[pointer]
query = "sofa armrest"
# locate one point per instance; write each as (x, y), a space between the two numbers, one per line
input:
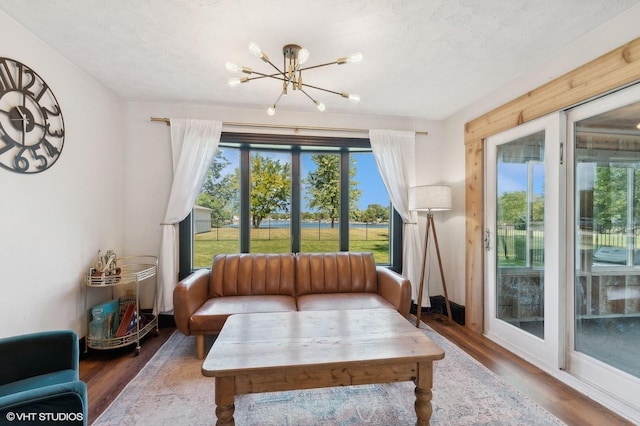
(395, 288)
(189, 295)
(65, 398)
(24, 354)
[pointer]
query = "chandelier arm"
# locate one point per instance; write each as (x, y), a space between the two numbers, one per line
(320, 88)
(277, 77)
(277, 69)
(318, 66)
(274, 76)
(308, 96)
(277, 100)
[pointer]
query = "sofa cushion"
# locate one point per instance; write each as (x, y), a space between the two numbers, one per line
(252, 274)
(212, 315)
(342, 272)
(342, 301)
(40, 381)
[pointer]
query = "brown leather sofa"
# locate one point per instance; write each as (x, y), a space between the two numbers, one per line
(251, 283)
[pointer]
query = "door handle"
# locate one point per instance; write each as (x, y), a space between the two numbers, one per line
(487, 239)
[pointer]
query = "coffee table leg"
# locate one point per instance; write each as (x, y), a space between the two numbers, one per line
(225, 394)
(424, 383)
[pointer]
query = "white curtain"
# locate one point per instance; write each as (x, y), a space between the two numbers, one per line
(394, 152)
(193, 145)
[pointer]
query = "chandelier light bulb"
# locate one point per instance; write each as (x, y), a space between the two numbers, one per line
(255, 49)
(351, 96)
(231, 67)
(303, 56)
(320, 106)
(271, 110)
(233, 82)
(355, 58)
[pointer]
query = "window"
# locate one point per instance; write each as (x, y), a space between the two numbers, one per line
(278, 194)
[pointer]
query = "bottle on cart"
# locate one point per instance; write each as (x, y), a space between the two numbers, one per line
(97, 327)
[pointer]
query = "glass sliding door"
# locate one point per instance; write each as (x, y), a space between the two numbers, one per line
(523, 239)
(605, 332)
(562, 284)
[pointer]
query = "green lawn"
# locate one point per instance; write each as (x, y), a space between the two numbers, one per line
(277, 240)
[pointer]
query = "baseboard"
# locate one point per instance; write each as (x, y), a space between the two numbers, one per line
(439, 305)
(166, 321)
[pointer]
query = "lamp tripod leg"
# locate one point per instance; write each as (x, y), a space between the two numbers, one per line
(444, 285)
(421, 284)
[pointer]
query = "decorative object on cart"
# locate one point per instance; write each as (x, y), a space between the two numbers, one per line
(107, 263)
(106, 270)
(430, 198)
(31, 122)
(294, 57)
(132, 324)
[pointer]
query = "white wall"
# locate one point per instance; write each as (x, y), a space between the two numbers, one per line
(53, 223)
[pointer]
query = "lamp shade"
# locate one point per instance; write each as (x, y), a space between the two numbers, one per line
(430, 198)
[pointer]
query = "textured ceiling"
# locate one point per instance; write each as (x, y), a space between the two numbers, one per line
(422, 58)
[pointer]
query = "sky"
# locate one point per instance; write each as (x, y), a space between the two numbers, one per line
(373, 189)
(513, 177)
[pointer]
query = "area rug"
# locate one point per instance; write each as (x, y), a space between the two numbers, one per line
(170, 390)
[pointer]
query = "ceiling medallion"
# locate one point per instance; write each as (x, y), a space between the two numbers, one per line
(294, 57)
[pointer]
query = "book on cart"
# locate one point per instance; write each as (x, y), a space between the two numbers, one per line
(133, 322)
(126, 320)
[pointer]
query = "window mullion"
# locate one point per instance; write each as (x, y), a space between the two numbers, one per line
(344, 200)
(245, 208)
(296, 201)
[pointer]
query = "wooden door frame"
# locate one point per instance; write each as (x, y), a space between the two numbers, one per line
(615, 69)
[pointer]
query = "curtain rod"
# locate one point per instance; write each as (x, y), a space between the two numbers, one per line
(296, 129)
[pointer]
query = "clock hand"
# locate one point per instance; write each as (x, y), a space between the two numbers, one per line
(24, 116)
(24, 125)
(24, 122)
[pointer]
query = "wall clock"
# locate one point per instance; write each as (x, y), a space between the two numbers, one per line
(31, 125)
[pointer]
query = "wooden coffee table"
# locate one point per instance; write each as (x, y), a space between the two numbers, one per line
(269, 352)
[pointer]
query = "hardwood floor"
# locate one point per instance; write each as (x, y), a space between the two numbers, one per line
(107, 373)
(561, 400)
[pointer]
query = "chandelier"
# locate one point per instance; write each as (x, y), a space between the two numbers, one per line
(294, 57)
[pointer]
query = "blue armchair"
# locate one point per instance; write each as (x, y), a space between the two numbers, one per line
(39, 379)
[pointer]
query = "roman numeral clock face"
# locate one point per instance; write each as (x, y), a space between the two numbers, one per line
(31, 125)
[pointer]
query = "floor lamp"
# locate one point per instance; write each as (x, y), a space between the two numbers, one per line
(430, 198)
